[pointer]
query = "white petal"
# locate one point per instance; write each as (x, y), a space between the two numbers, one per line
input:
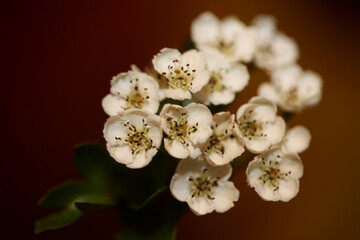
(275, 131)
(195, 58)
(267, 90)
(121, 154)
(180, 187)
(190, 167)
(200, 80)
(195, 150)
(296, 140)
(285, 51)
(201, 205)
(113, 105)
(254, 172)
(162, 60)
(288, 189)
(244, 108)
(205, 28)
(257, 144)
(216, 61)
(310, 87)
(236, 78)
(286, 78)
(221, 97)
(230, 28)
(291, 163)
(265, 26)
(114, 128)
(222, 172)
(200, 115)
(225, 195)
(177, 94)
(120, 84)
(245, 45)
(176, 149)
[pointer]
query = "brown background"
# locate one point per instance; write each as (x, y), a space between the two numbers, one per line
(58, 58)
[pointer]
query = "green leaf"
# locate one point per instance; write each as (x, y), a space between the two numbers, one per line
(57, 220)
(166, 231)
(66, 194)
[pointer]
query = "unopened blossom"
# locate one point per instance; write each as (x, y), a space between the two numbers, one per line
(205, 188)
(296, 140)
(132, 89)
(187, 129)
(133, 137)
(185, 73)
(225, 143)
(226, 79)
(259, 126)
(274, 48)
(229, 36)
(292, 88)
(275, 175)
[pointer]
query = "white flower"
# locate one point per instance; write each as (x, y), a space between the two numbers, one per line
(225, 143)
(275, 175)
(187, 129)
(185, 72)
(296, 140)
(293, 89)
(230, 36)
(133, 137)
(132, 89)
(225, 81)
(258, 124)
(274, 48)
(162, 81)
(205, 188)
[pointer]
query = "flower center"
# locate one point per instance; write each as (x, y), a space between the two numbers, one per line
(215, 83)
(250, 127)
(272, 174)
(137, 139)
(180, 129)
(203, 185)
(291, 97)
(216, 142)
(179, 76)
(136, 98)
(226, 48)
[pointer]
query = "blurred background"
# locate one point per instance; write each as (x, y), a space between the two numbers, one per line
(57, 61)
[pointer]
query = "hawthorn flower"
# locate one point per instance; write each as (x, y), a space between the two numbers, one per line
(133, 137)
(225, 143)
(187, 129)
(133, 89)
(225, 81)
(185, 73)
(292, 88)
(274, 48)
(229, 36)
(296, 140)
(205, 188)
(275, 175)
(259, 126)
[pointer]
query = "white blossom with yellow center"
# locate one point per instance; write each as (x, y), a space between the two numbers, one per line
(205, 188)
(292, 88)
(133, 89)
(275, 175)
(226, 79)
(185, 73)
(259, 126)
(229, 36)
(187, 129)
(133, 137)
(225, 143)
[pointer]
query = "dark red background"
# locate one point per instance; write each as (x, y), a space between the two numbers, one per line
(58, 58)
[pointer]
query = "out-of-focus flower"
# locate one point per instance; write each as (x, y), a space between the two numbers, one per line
(205, 188)
(274, 48)
(293, 89)
(296, 140)
(133, 89)
(225, 143)
(229, 36)
(259, 126)
(275, 175)
(225, 81)
(187, 129)
(185, 73)
(133, 137)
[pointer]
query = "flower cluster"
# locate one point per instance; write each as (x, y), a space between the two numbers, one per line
(206, 143)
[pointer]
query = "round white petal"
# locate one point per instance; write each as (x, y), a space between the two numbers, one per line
(267, 90)
(236, 78)
(288, 189)
(162, 60)
(180, 186)
(275, 131)
(121, 154)
(177, 94)
(225, 195)
(296, 140)
(176, 149)
(113, 105)
(201, 115)
(257, 144)
(200, 80)
(205, 28)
